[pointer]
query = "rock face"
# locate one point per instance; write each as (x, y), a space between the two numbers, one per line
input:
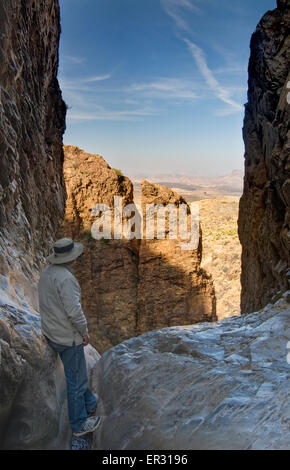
(116, 276)
(107, 269)
(264, 217)
(182, 293)
(217, 386)
(90, 180)
(33, 410)
(32, 115)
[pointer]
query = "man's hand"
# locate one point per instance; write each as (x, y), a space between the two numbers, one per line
(86, 340)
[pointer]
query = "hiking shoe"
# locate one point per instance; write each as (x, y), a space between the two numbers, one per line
(89, 426)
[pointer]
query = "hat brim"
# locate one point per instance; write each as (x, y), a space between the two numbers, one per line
(66, 257)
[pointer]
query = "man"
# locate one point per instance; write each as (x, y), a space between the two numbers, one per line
(64, 325)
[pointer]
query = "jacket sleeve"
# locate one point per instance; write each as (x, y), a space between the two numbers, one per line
(69, 292)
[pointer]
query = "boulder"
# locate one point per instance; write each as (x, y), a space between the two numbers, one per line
(33, 400)
(220, 385)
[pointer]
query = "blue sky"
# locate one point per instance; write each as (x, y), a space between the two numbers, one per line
(158, 86)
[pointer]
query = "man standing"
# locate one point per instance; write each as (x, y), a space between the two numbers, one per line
(64, 325)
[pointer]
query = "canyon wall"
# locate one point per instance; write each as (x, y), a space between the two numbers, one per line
(172, 288)
(33, 405)
(264, 213)
(129, 286)
(32, 114)
(107, 270)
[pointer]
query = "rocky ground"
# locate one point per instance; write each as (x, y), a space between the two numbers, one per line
(222, 385)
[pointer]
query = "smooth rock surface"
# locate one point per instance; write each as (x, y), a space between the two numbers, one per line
(33, 401)
(221, 385)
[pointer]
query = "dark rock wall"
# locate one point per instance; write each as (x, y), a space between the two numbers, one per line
(32, 116)
(33, 412)
(264, 213)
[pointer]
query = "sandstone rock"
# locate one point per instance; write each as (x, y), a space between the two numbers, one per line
(220, 385)
(183, 293)
(90, 180)
(116, 276)
(264, 217)
(107, 270)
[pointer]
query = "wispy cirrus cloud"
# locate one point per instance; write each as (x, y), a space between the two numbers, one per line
(81, 83)
(75, 59)
(235, 69)
(97, 78)
(232, 66)
(109, 115)
(85, 95)
(176, 9)
(165, 88)
(220, 92)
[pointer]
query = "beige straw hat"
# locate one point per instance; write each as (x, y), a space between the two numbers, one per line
(65, 250)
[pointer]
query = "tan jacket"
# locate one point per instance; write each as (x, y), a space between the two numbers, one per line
(62, 318)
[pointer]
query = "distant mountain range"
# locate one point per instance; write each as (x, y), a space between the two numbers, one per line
(232, 182)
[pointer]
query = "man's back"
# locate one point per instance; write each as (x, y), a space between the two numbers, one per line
(65, 326)
(62, 318)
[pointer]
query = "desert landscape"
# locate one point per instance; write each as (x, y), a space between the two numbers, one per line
(222, 251)
(194, 188)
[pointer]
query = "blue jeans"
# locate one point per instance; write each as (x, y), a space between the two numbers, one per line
(80, 399)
